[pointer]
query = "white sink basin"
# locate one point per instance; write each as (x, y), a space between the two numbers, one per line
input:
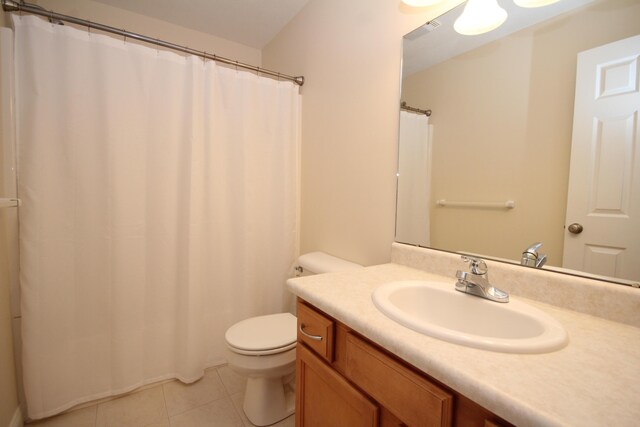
(438, 310)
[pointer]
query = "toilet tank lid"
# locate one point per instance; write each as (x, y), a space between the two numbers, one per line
(320, 262)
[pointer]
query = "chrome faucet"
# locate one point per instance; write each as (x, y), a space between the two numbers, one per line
(476, 281)
(532, 258)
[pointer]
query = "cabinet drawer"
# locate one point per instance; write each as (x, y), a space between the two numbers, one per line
(413, 399)
(316, 330)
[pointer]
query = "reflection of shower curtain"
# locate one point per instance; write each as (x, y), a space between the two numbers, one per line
(159, 207)
(414, 180)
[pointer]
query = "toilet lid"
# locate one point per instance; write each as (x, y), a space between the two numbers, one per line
(263, 333)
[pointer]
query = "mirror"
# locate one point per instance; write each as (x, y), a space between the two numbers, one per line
(488, 172)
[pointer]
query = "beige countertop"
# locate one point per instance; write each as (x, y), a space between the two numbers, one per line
(593, 381)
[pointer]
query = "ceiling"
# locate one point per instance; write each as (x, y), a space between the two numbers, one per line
(252, 23)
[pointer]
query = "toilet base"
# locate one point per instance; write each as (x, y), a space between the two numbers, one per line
(268, 400)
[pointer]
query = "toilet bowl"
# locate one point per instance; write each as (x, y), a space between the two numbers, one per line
(263, 349)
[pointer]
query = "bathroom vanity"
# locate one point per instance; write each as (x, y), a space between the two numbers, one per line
(361, 384)
(370, 370)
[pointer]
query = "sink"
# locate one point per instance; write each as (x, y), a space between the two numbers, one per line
(438, 310)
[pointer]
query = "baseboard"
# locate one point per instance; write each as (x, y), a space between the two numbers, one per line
(17, 420)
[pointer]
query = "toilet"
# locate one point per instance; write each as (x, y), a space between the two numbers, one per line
(263, 349)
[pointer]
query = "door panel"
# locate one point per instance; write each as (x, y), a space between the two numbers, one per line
(604, 179)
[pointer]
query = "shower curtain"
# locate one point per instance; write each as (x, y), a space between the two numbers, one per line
(159, 206)
(414, 180)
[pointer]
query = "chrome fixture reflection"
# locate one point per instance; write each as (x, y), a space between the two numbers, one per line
(476, 281)
(531, 257)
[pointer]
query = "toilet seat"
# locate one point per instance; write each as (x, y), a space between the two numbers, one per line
(263, 335)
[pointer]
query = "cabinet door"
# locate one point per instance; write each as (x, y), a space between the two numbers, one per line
(325, 399)
(410, 397)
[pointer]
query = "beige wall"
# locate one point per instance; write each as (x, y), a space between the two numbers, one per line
(502, 130)
(349, 52)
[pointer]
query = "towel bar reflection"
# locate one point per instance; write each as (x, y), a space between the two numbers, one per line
(9, 203)
(509, 204)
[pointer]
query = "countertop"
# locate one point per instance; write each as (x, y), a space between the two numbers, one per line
(593, 381)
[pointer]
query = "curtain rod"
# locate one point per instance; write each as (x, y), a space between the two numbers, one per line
(404, 106)
(14, 6)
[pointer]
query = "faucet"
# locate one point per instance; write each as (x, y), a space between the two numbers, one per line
(531, 257)
(476, 281)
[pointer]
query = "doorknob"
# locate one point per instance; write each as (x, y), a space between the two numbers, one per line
(575, 228)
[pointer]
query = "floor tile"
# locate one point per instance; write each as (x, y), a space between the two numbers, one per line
(233, 382)
(219, 413)
(85, 417)
(181, 397)
(137, 409)
(238, 401)
(290, 421)
(172, 404)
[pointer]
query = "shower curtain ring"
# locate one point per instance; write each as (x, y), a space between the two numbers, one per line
(236, 65)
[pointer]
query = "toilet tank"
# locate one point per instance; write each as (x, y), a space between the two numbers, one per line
(320, 262)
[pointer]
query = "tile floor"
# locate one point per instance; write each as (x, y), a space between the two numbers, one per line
(215, 400)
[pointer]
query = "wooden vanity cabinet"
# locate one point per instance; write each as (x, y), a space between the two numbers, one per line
(343, 379)
(325, 399)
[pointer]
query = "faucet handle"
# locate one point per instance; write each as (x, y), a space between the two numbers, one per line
(533, 248)
(531, 257)
(476, 265)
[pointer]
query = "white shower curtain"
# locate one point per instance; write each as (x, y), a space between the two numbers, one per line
(159, 206)
(414, 180)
